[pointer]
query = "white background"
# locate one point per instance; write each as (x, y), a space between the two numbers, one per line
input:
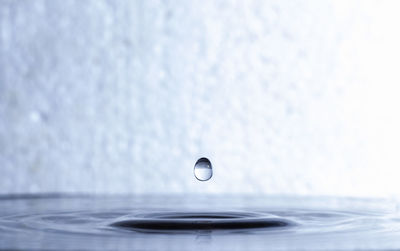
(285, 97)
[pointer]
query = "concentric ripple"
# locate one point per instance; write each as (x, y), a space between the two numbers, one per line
(209, 223)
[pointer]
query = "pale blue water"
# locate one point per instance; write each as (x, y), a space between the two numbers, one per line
(56, 222)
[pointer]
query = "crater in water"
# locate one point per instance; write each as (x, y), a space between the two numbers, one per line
(212, 221)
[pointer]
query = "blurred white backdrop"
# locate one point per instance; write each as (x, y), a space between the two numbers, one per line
(284, 97)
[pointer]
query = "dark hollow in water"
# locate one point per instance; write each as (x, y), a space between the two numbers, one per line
(201, 221)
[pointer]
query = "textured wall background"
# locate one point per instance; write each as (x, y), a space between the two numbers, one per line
(295, 97)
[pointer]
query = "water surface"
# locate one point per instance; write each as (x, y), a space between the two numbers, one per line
(59, 222)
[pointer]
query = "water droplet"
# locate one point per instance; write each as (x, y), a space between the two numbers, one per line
(203, 169)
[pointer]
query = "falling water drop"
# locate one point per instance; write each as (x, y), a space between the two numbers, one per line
(203, 169)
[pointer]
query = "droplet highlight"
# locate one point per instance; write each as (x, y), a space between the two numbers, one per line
(203, 169)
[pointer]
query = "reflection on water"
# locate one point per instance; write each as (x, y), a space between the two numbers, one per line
(200, 223)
